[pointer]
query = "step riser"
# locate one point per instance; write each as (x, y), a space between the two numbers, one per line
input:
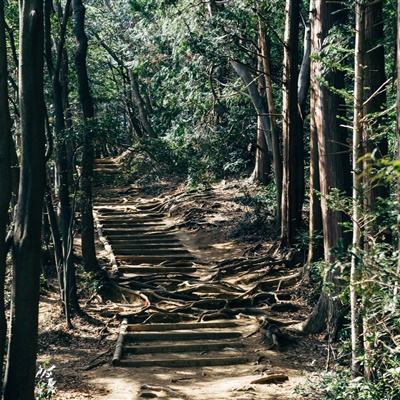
(143, 241)
(142, 252)
(155, 270)
(146, 247)
(132, 225)
(187, 325)
(127, 220)
(182, 363)
(190, 348)
(149, 337)
(130, 232)
(137, 260)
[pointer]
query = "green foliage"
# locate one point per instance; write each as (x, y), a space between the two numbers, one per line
(195, 102)
(88, 284)
(45, 384)
(377, 290)
(340, 386)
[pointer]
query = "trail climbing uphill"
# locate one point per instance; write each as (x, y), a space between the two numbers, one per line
(196, 314)
(147, 255)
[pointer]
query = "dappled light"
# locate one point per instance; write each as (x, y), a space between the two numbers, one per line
(199, 200)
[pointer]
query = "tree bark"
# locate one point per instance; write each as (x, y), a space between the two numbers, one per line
(262, 165)
(21, 362)
(304, 74)
(276, 152)
(292, 135)
(87, 222)
(396, 290)
(315, 251)
(5, 179)
(357, 184)
(374, 95)
(140, 104)
(258, 102)
(333, 163)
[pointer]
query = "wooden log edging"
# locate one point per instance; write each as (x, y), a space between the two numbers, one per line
(120, 343)
(106, 244)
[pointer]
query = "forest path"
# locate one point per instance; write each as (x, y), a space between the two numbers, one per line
(196, 335)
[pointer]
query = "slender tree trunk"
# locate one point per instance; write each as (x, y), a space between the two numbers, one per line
(87, 231)
(137, 99)
(374, 95)
(357, 185)
(262, 165)
(276, 152)
(60, 99)
(5, 179)
(304, 84)
(258, 102)
(21, 362)
(396, 290)
(333, 163)
(315, 251)
(56, 239)
(293, 149)
(212, 7)
(304, 74)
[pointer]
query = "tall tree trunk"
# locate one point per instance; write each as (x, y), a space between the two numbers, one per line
(357, 184)
(21, 362)
(212, 7)
(396, 290)
(304, 84)
(140, 104)
(5, 179)
(63, 168)
(333, 162)
(304, 74)
(276, 152)
(262, 165)
(315, 251)
(258, 102)
(374, 94)
(56, 239)
(292, 135)
(87, 222)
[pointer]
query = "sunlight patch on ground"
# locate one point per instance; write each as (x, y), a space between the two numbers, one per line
(227, 245)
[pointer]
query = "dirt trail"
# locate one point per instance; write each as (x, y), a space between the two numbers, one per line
(190, 327)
